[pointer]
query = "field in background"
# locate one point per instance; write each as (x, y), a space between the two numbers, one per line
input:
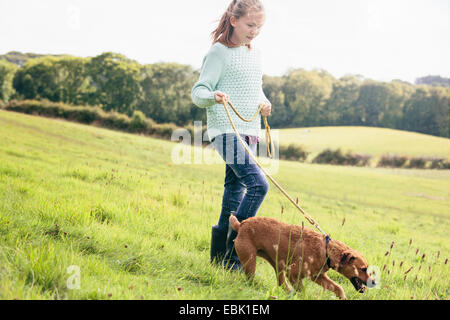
(137, 226)
(366, 140)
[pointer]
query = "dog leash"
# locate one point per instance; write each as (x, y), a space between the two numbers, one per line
(304, 213)
(266, 125)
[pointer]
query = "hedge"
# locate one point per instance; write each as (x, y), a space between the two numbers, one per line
(138, 123)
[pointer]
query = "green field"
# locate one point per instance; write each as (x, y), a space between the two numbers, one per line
(137, 226)
(367, 140)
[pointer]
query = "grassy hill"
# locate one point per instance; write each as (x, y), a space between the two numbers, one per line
(367, 140)
(137, 226)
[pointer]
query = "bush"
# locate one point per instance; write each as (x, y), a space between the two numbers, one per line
(417, 163)
(164, 130)
(439, 163)
(413, 163)
(392, 161)
(360, 160)
(89, 115)
(292, 152)
(56, 110)
(329, 156)
(85, 115)
(115, 120)
(337, 157)
(138, 123)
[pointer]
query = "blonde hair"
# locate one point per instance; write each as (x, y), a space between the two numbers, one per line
(237, 9)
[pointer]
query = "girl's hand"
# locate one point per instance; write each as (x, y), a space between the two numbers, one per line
(220, 97)
(266, 110)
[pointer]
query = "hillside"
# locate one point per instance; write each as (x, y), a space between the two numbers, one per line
(115, 207)
(367, 140)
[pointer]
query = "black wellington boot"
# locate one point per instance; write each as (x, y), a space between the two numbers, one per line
(231, 260)
(218, 244)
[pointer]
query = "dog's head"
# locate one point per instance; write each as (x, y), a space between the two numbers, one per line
(354, 267)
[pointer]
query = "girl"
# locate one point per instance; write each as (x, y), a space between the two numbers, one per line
(231, 70)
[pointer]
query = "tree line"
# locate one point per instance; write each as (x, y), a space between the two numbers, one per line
(161, 91)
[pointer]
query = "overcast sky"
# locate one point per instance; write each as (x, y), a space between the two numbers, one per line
(379, 39)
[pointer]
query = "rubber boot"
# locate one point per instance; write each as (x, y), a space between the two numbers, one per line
(218, 244)
(231, 260)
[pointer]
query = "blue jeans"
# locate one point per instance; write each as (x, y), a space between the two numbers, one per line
(245, 183)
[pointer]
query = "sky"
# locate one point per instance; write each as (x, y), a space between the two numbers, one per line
(378, 39)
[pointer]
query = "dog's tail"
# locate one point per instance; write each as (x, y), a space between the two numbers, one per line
(234, 223)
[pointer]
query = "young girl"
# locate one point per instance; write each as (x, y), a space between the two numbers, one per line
(231, 70)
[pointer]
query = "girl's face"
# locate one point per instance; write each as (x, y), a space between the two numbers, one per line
(247, 27)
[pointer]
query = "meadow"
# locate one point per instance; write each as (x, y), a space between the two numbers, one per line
(116, 210)
(367, 140)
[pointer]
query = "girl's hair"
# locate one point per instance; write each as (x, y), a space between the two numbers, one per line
(238, 9)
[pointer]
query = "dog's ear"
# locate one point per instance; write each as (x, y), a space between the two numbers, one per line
(347, 257)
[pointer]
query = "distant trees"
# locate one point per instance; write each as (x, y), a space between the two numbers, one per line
(427, 111)
(115, 83)
(340, 108)
(56, 79)
(7, 71)
(167, 93)
(314, 98)
(161, 91)
(305, 95)
(437, 81)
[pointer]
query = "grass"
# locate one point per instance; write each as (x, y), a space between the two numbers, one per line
(137, 225)
(367, 140)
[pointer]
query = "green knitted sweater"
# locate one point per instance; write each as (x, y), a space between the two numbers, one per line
(236, 72)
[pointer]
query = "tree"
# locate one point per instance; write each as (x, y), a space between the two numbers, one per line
(374, 100)
(58, 79)
(115, 81)
(273, 89)
(339, 108)
(400, 92)
(37, 79)
(7, 71)
(305, 95)
(434, 81)
(427, 111)
(72, 80)
(167, 93)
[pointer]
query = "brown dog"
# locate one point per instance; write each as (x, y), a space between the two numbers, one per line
(297, 253)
